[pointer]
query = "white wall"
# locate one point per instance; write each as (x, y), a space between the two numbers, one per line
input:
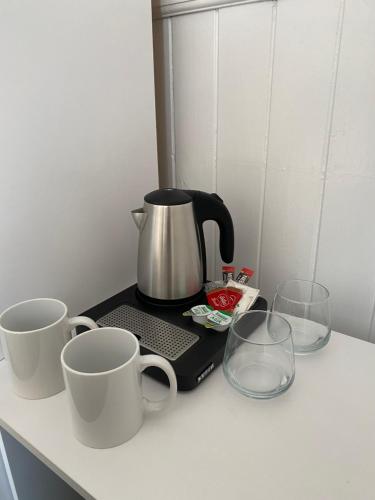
(77, 146)
(272, 105)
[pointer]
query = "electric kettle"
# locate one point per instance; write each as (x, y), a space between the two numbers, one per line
(171, 248)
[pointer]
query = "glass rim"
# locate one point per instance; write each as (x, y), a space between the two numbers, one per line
(265, 313)
(302, 301)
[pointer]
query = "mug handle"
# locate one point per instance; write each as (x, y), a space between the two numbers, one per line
(153, 360)
(81, 321)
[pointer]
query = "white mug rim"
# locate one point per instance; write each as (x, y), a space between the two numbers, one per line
(106, 372)
(37, 330)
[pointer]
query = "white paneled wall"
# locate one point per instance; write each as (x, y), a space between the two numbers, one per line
(243, 99)
(346, 256)
(272, 105)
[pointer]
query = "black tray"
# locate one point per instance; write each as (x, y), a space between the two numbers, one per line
(195, 364)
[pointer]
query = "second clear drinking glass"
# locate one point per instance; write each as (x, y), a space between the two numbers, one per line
(259, 357)
(305, 304)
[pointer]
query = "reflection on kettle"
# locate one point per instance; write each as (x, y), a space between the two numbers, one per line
(171, 251)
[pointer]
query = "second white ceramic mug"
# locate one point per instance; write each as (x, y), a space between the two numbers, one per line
(34, 333)
(102, 370)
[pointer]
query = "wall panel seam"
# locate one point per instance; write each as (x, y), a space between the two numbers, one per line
(171, 103)
(215, 126)
(328, 131)
(266, 142)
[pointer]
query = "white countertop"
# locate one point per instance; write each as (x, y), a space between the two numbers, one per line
(316, 441)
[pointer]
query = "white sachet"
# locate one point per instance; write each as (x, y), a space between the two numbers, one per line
(248, 298)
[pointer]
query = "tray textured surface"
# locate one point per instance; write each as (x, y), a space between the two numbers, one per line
(155, 334)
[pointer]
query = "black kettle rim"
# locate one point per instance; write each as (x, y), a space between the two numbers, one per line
(168, 197)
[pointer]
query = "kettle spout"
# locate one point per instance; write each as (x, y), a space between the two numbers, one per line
(139, 217)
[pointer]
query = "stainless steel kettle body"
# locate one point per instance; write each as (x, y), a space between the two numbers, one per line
(171, 250)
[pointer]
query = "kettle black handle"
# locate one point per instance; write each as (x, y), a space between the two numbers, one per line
(211, 207)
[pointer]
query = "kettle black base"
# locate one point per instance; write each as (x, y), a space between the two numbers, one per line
(188, 302)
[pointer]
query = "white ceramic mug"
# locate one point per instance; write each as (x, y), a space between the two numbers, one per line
(34, 333)
(102, 371)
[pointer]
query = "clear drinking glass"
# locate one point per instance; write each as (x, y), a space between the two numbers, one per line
(259, 357)
(305, 304)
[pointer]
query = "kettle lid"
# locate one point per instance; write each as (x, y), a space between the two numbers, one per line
(168, 197)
